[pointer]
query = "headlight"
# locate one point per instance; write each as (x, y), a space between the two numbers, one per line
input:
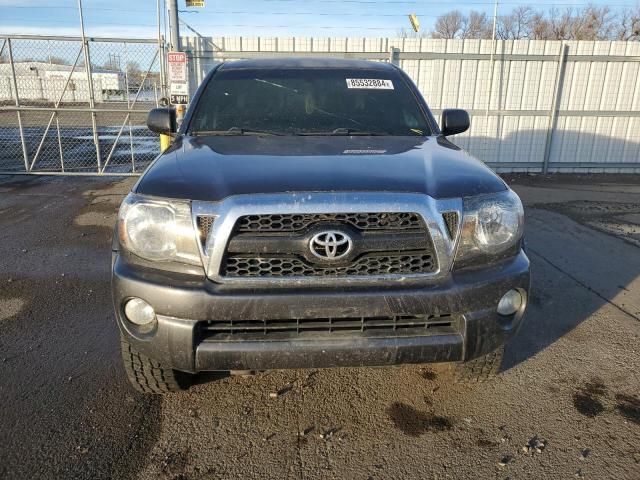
(158, 230)
(492, 227)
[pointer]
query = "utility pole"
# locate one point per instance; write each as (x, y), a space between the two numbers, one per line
(174, 29)
(493, 51)
(174, 25)
(491, 67)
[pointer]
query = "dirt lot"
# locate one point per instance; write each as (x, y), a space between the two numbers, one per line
(567, 405)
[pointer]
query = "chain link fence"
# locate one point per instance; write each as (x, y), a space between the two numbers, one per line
(74, 107)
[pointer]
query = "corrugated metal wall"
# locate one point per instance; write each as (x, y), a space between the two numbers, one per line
(515, 127)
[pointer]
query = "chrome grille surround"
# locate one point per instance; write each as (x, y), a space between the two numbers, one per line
(232, 208)
(452, 220)
(204, 224)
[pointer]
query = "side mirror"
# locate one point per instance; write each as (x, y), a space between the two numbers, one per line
(162, 120)
(454, 121)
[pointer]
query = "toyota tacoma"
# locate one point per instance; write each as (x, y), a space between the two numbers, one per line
(311, 213)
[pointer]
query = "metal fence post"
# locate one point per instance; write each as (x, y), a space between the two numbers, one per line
(163, 69)
(163, 85)
(15, 89)
(92, 103)
(394, 56)
(126, 82)
(555, 105)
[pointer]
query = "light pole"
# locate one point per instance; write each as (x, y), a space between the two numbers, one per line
(174, 25)
(174, 35)
(491, 67)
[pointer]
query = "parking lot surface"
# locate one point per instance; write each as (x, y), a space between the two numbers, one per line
(566, 406)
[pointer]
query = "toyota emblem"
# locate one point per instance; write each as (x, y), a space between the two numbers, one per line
(330, 245)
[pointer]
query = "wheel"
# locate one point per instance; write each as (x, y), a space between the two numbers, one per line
(149, 376)
(480, 369)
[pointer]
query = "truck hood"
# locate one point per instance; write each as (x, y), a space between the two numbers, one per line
(212, 168)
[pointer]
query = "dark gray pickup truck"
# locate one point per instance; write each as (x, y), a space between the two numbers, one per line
(311, 213)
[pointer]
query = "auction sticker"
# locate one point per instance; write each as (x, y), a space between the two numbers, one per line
(374, 83)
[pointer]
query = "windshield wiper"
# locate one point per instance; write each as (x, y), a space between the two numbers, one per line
(235, 131)
(344, 131)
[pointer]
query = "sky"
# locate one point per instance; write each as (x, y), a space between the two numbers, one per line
(284, 18)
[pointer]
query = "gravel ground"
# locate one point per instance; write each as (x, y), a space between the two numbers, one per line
(567, 405)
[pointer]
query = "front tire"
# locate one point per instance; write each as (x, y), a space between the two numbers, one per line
(149, 376)
(480, 369)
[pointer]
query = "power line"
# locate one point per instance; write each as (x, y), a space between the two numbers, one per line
(64, 7)
(323, 14)
(409, 2)
(209, 13)
(73, 21)
(331, 14)
(323, 27)
(368, 2)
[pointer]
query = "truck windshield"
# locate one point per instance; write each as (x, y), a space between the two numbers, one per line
(308, 102)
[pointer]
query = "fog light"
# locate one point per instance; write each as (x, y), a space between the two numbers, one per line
(139, 312)
(510, 303)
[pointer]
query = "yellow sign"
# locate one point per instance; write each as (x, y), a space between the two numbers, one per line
(415, 23)
(195, 3)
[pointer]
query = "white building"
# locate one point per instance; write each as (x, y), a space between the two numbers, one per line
(45, 81)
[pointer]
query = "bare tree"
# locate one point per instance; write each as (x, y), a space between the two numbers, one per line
(449, 25)
(592, 23)
(560, 24)
(628, 24)
(58, 60)
(476, 25)
(405, 33)
(133, 68)
(539, 28)
(516, 25)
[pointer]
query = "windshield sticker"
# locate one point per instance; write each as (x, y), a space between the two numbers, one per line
(374, 83)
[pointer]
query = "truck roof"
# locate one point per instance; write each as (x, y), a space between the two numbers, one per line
(307, 62)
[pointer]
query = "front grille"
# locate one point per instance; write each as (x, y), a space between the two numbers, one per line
(296, 222)
(397, 325)
(278, 245)
(239, 266)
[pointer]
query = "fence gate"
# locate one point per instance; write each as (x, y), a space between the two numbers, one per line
(77, 108)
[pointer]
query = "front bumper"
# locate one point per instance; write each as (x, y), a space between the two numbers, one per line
(182, 302)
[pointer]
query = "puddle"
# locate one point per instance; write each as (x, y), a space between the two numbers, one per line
(629, 407)
(429, 375)
(586, 399)
(414, 423)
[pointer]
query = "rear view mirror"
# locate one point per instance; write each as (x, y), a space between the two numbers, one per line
(162, 120)
(454, 121)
